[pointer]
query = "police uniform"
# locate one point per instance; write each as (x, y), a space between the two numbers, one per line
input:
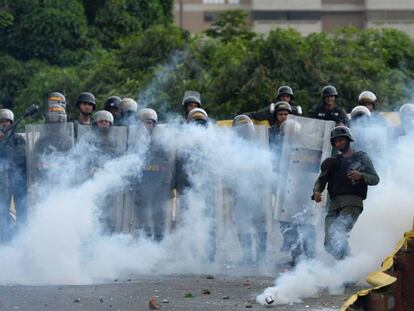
(346, 197)
(13, 181)
(336, 114)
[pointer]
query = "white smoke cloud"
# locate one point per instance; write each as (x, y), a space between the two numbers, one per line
(65, 243)
(387, 214)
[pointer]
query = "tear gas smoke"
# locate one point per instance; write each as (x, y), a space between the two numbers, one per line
(64, 241)
(387, 214)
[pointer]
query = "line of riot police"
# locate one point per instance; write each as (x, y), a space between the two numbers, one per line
(148, 203)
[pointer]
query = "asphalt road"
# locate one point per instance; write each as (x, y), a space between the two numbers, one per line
(189, 292)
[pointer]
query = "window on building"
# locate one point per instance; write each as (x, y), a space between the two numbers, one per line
(221, 1)
(213, 1)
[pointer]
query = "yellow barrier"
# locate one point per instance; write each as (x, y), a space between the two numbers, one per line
(380, 279)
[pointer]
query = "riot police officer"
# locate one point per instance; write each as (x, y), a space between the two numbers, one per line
(284, 94)
(198, 116)
(13, 173)
(86, 105)
(348, 176)
(129, 109)
(281, 113)
(149, 118)
(369, 100)
(102, 119)
(360, 112)
(406, 127)
(248, 211)
(56, 98)
(191, 100)
(328, 110)
(56, 137)
(112, 105)
(154, 190)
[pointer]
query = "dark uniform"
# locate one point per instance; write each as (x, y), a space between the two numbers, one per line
(263, 115)
(153, 191)
(336, 114)
(346, 197)
(13, 181)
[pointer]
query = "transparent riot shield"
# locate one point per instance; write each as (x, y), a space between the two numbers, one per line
(102, 145)
(306, 143)
(243, 218)
(300, 146)
(136, 144)
(46, 148)
(148, 205)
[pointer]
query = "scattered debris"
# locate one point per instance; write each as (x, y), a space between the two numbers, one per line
(209, 277)
(153, 304)
(188, 295)
(206, 291)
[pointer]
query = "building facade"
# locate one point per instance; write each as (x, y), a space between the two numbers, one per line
(306, 16)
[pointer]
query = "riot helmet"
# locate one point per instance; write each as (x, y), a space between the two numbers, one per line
(128, 105)
(56, 98)
(244, 126)
(242, 120)
(149, 117)
(101, 118)
(284, 90)
(86, 97)
(406, 114)
(329, 90)
(340, 131)
(360, 111)
(112, 102)
(282, 105)
(148, 114)
(6, 114)
(192, 98)
(55, 114)
(198, 116)
(368, 99)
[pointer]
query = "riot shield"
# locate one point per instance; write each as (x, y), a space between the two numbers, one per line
(243, 218)
(102, 145)
(46, 147)
(306, 143)
(149, 202)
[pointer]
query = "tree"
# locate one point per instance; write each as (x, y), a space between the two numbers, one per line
(117, 19)
(230, 25)
(53, 30)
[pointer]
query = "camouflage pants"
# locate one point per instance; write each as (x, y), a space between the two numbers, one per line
(298, 239)
(338, 223)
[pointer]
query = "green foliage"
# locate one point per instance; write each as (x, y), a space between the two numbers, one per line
(230, 25)
(14, 76)
(52, 31)
(6, 18)
(144, 57)
(121, 18)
